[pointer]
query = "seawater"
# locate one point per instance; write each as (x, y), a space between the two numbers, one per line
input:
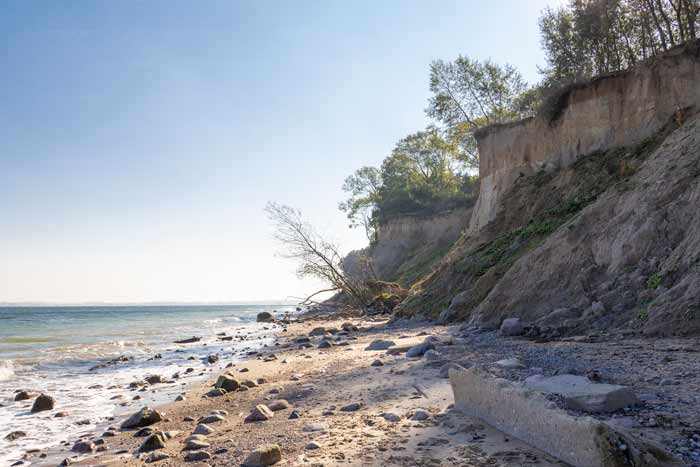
(52, 350)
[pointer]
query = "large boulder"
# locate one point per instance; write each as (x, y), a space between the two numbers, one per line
(580, 393)
(144, 417)
(512, 327)
(260, 413)
(265, 317)
(420, 349)
(263, 456)
(155, 441)
(452, 311)
(227, 382)
(42, 403)
(380, 344)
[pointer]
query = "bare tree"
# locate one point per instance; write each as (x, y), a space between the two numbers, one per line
(316, 256)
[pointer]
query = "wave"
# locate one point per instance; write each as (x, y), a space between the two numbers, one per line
(7, 370)
(25, 339)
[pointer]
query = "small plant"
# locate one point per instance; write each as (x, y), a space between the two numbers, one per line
(643, 314)
(654, 281)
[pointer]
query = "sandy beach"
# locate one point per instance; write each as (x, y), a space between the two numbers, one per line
(354, 406)
(347, 405)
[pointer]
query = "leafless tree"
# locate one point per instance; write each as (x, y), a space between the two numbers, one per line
(316, 256)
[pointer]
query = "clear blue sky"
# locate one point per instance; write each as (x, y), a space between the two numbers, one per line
(140, 140)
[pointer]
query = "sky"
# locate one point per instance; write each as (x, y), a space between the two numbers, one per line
(141, 140)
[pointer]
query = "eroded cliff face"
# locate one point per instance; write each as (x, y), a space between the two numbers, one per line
(408, 247)
(619, 110)
(592, 223)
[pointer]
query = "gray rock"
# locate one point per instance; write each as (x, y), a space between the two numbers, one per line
(227, 382)
(380, 344)
(156, 457)
(319, 331)
(278, 404)
(510, 364)
(203, 429)
(144, 417)
(263, 456)
(512, 327)
(43, 402)
(153, 442)
(325, 344)
(420, 415)
(196, 444)
(451, 312)
(264, 317)
(580, 393)
(354, 407)
(25, 395)
(154, 379)
(83, 447)
(196, 456)
(15, 435)
(391, 417)
(212, 419)
(420, 349)
(312, 446)
(314, 427)
(377, 363)
(260, 413)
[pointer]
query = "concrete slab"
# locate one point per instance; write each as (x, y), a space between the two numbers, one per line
(580, 393)
(529, 416)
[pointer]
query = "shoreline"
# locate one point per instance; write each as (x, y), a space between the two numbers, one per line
(382, 428)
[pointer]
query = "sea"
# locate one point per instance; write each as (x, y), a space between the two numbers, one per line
(61, 351)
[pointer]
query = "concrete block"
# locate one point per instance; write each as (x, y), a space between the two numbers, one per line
(529, 416)
(580, 393)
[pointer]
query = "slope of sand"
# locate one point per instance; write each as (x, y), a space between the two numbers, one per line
(317, 383)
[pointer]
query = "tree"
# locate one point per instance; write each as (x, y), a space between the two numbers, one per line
(363, 187)
(468, 94)
(316, 256)
(423, 172)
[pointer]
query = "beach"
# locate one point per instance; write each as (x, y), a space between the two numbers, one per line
(348, 390)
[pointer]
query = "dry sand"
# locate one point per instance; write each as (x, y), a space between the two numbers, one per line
(317, 383)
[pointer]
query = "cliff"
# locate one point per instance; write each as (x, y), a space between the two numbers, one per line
(617, 110)
(587, 221)
(408, 247)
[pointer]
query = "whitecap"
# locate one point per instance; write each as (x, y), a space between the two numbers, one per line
(7, 370)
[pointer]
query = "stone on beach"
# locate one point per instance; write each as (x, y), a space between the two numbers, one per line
(380, 344)
(391, 417)
(264, 317)
(25, 395)
(144, 417)
(278, 404)
(203, 429)
(153, 442)
(510, 364)
(213, 418)
(420, 349)
(263, 456)
(196, 444)
(354, 407)
(156, 457)
(512, 327)
(196, 456)
(83, 447)
(377, 363)
(260, 413)
(227, 382)
(319, 331)
(15, 435)
(580, 393)
(314, 427)
(43, 402)
(420, 415)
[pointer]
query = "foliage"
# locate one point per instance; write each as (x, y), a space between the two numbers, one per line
(654, 281)
(468, 95)
(424, 173)
(591, 37)
(363, 187)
